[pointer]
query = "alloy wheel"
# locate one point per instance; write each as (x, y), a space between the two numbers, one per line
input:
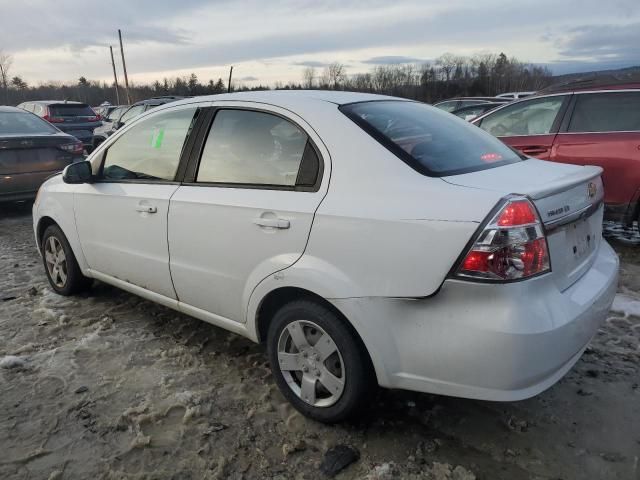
(311, 363)
(56, 261)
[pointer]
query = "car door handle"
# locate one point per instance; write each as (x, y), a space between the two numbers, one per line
(146, 208)
(534, 150)
(272, 222)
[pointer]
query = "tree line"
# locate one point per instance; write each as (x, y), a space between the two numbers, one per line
(449, 75)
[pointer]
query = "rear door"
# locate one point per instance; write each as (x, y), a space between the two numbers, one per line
(246, 207)
(603, 129)
(529, 126)
(121, 218)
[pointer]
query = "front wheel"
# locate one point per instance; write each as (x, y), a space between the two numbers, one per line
(60, 263)
(318, 363)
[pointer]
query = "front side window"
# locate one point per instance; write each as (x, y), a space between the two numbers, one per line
(249, 147)
(429, 140)
(448, 106)
(131, 113)
(606, 112)
(151, 149)
(532, 117)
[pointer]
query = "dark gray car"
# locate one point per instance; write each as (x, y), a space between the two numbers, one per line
(75, 118)
(31, 150)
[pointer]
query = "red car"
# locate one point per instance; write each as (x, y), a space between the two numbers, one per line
(583, 126)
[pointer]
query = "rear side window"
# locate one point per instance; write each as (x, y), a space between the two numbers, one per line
(255, 148)
(606, 112)
(531, 117)
(431, 141)
(23, 123)
(71, 110)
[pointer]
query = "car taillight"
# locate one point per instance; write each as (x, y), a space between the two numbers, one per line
(76, 147)
(51, 119)
(512, 246)
(94, 119)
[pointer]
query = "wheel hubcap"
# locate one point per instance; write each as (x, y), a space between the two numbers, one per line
(56, 262)
(311, 363)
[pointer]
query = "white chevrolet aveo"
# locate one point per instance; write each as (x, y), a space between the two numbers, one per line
(364, 239)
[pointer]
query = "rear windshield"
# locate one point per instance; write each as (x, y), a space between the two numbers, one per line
(431, 141)
(17, 123)
(72, 110)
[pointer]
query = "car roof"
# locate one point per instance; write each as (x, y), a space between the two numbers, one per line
(8, 109)
(294, 98)
(52, 102)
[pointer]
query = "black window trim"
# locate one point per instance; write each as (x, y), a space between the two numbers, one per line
(195, 154)
(403, 155)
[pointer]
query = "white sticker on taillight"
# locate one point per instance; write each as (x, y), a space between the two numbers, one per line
(512, 246)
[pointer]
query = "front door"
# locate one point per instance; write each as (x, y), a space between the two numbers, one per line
(122, 217)
(248, 210)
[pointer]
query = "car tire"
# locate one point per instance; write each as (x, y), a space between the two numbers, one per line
(346, 370)
(60, 264)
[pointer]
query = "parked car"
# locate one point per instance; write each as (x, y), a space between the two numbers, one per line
(585, 127)
(515, 95)
(364, 239)
(121, 115)
(471, 112)
(30, 151)
(105, 109)
(456, 103)
(75, 118)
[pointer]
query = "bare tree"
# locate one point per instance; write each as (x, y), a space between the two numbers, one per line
(5, 65)
(447, 63)
(334, 74)
(308, 77)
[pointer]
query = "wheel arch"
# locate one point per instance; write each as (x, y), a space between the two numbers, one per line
(277, 298)
(43, 223)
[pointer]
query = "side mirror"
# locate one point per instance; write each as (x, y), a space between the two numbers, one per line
(117, 125)
(79, 172)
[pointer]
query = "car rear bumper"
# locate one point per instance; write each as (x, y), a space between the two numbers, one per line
(493, 342)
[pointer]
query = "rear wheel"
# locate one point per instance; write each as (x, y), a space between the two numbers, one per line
(317, 362)
(60, 263)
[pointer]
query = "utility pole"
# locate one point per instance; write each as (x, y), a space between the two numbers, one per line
(124, 67)
(115, 77)
(229, 85)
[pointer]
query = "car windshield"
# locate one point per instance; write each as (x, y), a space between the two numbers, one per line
(71, 110)
(18, 123)
(431, 141)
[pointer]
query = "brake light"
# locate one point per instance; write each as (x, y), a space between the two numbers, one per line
(76, 148)
(512, 246)
(51, 119)
(94, 119)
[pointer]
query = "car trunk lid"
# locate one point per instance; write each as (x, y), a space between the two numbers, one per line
(569, 200)
(28, 154)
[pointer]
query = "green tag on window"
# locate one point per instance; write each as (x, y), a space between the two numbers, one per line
(157, 137)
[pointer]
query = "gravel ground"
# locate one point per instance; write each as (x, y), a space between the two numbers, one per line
(110, 386)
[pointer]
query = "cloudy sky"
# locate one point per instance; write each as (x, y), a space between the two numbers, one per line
(271, 40)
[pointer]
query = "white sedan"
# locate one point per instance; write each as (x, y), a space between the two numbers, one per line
(364, 239)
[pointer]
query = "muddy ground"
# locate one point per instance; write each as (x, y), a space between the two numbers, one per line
(110, 386)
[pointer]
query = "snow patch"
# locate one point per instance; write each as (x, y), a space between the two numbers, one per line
(626, 305)
(11, 361)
